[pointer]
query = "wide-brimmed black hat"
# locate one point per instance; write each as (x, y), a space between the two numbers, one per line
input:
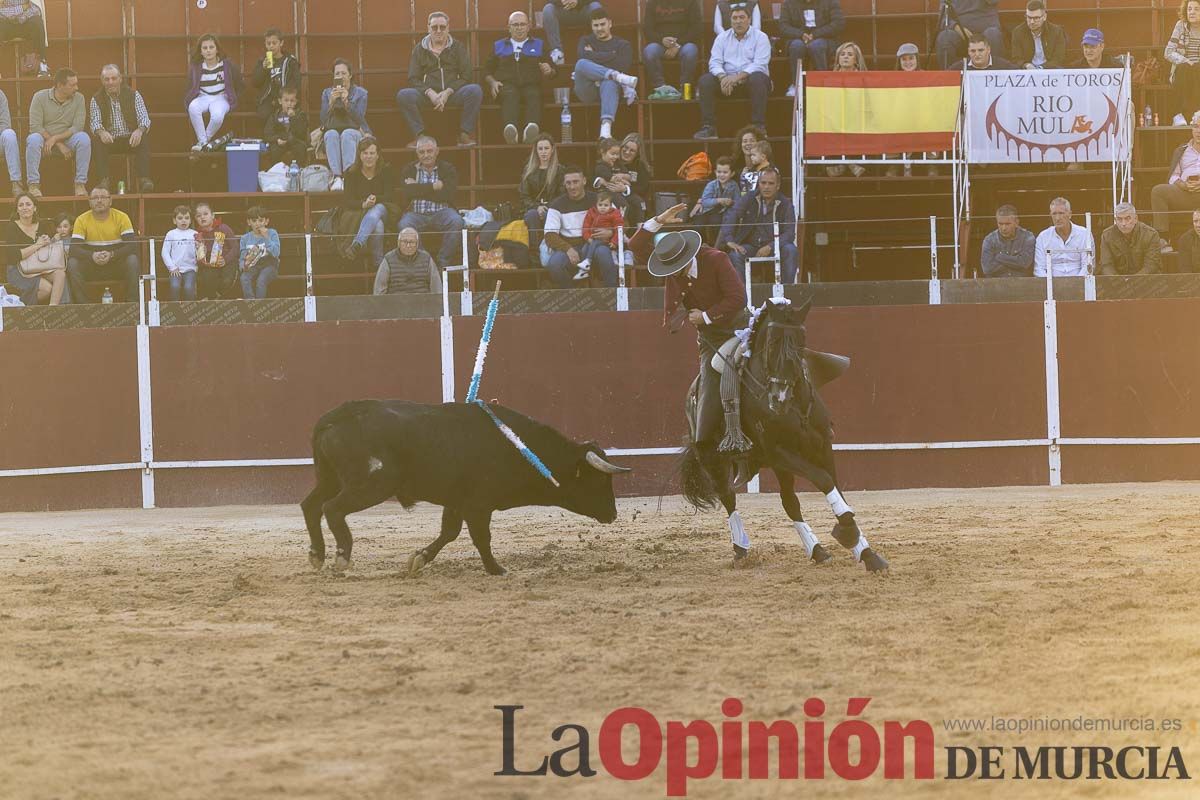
(673, 251)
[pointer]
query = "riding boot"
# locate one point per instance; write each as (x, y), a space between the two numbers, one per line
(735, 442)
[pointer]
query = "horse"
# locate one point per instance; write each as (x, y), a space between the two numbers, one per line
(789, 427)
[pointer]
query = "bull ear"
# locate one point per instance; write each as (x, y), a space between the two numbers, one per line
(804, 309)
(598, 462)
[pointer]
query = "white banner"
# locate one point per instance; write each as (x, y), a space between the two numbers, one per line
(1047, 116)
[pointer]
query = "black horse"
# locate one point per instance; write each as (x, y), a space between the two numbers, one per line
(789, 425)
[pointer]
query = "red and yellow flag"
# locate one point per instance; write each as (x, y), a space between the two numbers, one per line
(871, 113)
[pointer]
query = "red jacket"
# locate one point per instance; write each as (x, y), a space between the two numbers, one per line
(594, 219)
(717, 290)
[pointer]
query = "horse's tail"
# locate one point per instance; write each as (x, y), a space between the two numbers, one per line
(698, 488)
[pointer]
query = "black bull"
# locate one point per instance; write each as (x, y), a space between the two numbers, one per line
(451, 455)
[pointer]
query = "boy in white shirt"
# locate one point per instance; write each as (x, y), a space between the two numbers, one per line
(179, 255)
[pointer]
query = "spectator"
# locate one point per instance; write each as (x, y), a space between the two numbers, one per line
(1036, 43)
(430, 185)
(908, 58)
(562, 246)
(63, 225)
(1189, 246)
(719, 196)
(979, 57)
(606, 167)
(120, 123)
(603, 226)
(760, 158)
(1129, 247)
(30, 240)
(369, 192)
(673, 30)
(812, 26)
(22, 19)
(103, 245)
(723, 13)
(602, 70)
(743, 142)
(541, 182)
(439, 76)
(1071, 247)
(738, 64)
(1182, 189)
(1093, 52)
(749, 229)
(636, 169)
(343, 121)
(274, 72)
(1183, 51)
(518, 83)
(260, 254)
(286, 130)
(179, 255)
(56, 125)
(216, 254)
(962, 20)
(848, 58)
(11, 145)
(407, 269)
(558, 13)
(215, 83)
(1008, 250)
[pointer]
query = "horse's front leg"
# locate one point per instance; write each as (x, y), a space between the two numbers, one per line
(737, 529)
(791, 504)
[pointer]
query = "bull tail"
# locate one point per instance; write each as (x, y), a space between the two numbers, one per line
(698, 487)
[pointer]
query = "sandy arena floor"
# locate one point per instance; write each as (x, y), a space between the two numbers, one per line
(193, 654)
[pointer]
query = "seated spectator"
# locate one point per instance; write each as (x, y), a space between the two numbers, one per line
(1093, 52)
(57, 125)
(26, 20)
(848, 58)
(603, 227)
(518, 83)
(1008, 250)
(1182, 190)
(215, 83)
(407, 269)
(1183, 51)
(217, 256)
(429, 185)
(812, 28)
(571, 13)
(370, 185)
(739, 64)
(602, 71)
(11, 146)
(562, 245)
(749, 231)
(30, 242)
(1071, 247)
(1189, 246)
(673, 30)
(979, 57)
(104, 246)
(541, 182)
(636, 169)
(724, 11)
(343, 121)
(908, 59)
(439, 76)
(286, 130)
(760, 158)
(963, 19)
(120, 123)
(274, 72)
(260, 254)
(605, 169)
(719, 196)
(743, 142)
(1037, 43)
(1129, 247)
(179, 255)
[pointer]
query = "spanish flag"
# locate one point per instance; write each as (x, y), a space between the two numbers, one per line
(871, 113)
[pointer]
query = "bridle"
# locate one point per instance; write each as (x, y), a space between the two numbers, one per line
(761, 391)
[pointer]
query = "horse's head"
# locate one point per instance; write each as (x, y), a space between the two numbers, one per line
(779, 343)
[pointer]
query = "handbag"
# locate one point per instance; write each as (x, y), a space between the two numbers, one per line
(46, 259)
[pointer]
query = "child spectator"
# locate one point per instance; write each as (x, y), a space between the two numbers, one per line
(63, 225)
(260, 254)
(286, 130)
(179, 254)
(602, 225)
(720, 195)
(611, 176)
(216, 253)
(759, 159)
(276, 71)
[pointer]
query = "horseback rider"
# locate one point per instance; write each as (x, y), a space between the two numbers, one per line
(704, 289)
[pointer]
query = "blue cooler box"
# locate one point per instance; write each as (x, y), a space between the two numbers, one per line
(242, 158)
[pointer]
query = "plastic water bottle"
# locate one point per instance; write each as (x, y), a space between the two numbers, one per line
(293, 175)
(566, 124)
(1147, 117)
(107, 298)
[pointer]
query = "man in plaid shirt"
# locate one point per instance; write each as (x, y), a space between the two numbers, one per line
(428, 187)
(120, 123)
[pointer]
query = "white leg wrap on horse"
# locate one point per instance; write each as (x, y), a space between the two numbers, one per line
(837, 503)
(807, 537)
(859, 547)
(737, 531)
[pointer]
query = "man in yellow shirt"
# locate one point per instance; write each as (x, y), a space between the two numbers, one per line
(103, 245)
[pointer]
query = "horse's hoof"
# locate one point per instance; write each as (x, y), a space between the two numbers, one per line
(499, 571)
(820, 555)
(874, 562)
(316, 562)
(416, 562)
(341, 564)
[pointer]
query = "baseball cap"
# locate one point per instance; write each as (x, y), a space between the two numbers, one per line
(908, 49)
(1093, 36)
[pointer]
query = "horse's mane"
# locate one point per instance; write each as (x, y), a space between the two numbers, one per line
(758, 318)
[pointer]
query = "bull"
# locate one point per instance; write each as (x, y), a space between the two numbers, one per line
(452, 455)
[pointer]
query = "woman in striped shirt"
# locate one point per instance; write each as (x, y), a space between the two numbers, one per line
(215, 83)
(1183, 51)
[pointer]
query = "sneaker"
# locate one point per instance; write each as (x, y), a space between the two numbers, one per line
(606, 129)
(628, 81)
(791, 92)
(338, 185)
(35, 190)
(706, 133)
(197, 147)
(630, 95)
(532, 131)
(583, 269)
(665, 92)
(858, 170)
(556, 56)
(510, 133)
(1179, 121)
(17, 189)
(81, 190)
(465, 139)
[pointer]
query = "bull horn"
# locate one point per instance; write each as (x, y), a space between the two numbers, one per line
(605, 467)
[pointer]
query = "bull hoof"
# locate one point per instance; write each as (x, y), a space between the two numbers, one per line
(317, 562)
(416, 562)
(341, 564)
(496, 570)
(874, 562)
(739, 552)
(820, 555)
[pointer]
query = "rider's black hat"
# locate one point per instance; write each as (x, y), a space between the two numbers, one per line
(673, 251)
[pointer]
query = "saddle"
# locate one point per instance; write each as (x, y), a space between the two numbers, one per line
(823, 368)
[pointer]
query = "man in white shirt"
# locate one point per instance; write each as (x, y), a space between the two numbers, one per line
(1071, 247)
(738, 65)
